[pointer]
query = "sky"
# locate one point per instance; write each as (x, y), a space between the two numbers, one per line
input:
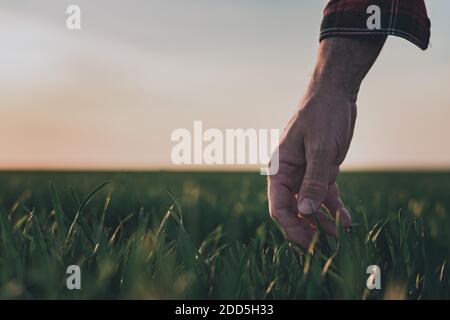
(109, 96)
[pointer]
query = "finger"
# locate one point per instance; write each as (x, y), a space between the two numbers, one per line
(336, 207)
(316, 180)
(298, 232)
(321, 222)
(282, 188)
(293, 228)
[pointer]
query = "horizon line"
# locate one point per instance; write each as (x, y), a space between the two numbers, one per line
(211, 169)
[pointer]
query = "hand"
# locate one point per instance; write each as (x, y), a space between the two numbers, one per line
(311, 149)
(317, 139)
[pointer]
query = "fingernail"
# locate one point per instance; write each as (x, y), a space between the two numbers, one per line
(306, 206)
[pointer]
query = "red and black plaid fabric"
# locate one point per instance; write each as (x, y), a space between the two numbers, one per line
(404, 18)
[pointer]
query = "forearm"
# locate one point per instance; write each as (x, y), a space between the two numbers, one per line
(343, 63)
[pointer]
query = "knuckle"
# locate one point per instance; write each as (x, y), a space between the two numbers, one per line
(313, 186)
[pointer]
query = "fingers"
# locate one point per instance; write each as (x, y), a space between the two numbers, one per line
(319, 221)
(297, 230)
(282, 189)
(319, 170)
(336, 207)
(297, 227)
(282, 206)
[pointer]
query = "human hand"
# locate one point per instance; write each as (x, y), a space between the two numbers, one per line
(311, 148)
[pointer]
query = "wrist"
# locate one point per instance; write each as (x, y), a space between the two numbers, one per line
(324, 85)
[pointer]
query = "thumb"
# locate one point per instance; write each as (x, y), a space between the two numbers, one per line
(315, 182)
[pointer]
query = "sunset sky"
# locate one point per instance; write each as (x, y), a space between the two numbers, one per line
(109, 96)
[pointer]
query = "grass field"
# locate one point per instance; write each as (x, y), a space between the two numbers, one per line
(209, 235)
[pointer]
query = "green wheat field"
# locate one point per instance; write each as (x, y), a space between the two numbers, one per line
(208, 235)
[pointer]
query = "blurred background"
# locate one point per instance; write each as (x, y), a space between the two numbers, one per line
(109, 95)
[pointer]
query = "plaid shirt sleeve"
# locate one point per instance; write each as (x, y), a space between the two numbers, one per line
(403, 18)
